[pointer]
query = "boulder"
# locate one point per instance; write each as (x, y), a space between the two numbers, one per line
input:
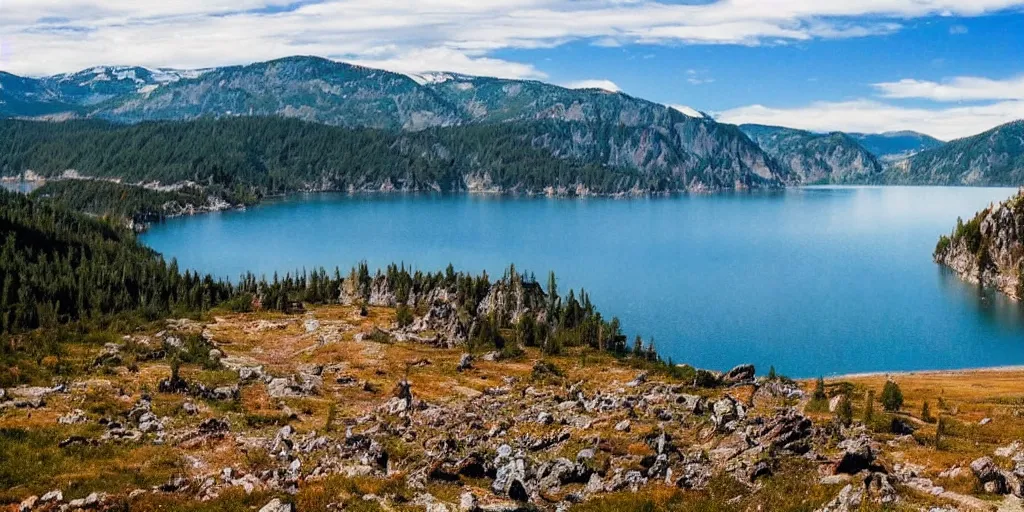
(465, 363)
(275, 505)
(992, 479)
(74, 417)
(741, 374)
(858, 455)
(508, 480)
(692, 403)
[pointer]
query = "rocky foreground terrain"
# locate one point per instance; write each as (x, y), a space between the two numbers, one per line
(989, 249)
(335, 408)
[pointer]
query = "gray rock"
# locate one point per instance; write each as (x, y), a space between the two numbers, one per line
(858, 455)
(28, 504)
(74, 417)
(508, 480)
(54, 496)
(225, 393)
(692, 403)
(991, 478)
(622, 426)
(465, 362)
(640, 379)
(740, 374)
(275, 505)
(585, 454)
(468, 502)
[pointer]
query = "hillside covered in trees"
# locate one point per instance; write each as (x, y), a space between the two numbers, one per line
(57, 266)
(134, 205)
(994, 158)
(242, 157)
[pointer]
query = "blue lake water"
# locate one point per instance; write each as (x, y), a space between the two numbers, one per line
(813, 281)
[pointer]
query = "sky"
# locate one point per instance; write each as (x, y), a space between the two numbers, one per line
(949, 68)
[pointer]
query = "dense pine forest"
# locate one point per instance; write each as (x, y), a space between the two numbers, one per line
(57, 266)
(243, 157)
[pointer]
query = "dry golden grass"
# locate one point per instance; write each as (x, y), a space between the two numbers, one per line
(281, 344)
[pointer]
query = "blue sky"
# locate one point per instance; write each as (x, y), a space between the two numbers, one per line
(946, 67)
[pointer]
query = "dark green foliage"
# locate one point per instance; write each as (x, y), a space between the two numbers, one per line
(403, 315)
(526, 331)
(114, 200)
(771, 373)
(243, 158)
(57, 266)
(892, 397)
(487, 334)
(992, 158)
(819, 390)
(940, 428)
(942, 246)
(545, 369)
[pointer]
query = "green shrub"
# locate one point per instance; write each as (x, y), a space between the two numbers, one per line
(892, 397)
(403, 315)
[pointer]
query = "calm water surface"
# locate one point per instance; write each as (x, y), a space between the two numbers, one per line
(812, 281)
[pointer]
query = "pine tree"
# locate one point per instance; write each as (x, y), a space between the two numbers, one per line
(926, 414)
(892, 397)
(819, 390)
(869, 407)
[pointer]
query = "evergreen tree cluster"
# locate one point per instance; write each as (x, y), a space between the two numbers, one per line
(57, 266)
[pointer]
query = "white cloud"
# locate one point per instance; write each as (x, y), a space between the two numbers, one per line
(964, 88)
(50, 36)
(600, 83)
(875, 117)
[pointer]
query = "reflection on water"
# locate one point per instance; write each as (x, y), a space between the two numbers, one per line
(991, 305)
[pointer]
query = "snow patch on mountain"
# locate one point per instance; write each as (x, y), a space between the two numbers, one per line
(690, 111)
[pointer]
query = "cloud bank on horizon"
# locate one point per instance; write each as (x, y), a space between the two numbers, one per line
(496, 38)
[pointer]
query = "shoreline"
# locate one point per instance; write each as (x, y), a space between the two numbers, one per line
(951, 372)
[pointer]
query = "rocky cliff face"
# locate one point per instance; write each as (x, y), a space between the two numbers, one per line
(444, 313)
(813, 158)
(989, 249)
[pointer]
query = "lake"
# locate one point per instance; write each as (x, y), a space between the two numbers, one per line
(815, 281)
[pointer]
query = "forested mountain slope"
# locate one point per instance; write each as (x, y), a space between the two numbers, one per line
(274, 155)
(993, 158)
(812, 158)
(606, 129)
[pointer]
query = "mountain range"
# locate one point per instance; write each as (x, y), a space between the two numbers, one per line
(670, 149)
